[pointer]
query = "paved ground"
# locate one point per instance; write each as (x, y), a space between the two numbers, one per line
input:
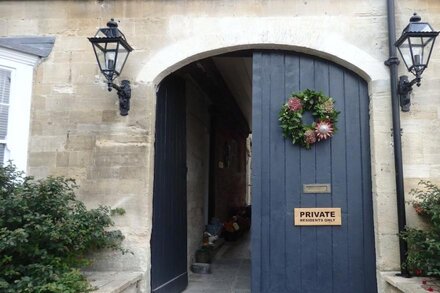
(231, 271)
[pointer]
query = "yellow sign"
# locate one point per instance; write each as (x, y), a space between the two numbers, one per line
(317, 216)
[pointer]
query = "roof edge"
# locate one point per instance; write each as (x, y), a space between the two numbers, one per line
(33, 45)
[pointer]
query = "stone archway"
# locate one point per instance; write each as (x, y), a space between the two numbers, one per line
(329, 47)
(312, 42)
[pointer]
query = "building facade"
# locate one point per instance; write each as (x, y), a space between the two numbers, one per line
(63, 121)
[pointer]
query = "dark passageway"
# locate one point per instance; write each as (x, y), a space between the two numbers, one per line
(230, 270)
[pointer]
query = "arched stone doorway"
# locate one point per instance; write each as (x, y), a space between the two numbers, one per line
(266, 282)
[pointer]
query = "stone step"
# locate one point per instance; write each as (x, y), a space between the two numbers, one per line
(114, 282)
(398, 284)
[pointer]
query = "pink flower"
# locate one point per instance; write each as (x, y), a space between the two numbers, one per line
(324, 130)
(294, 104)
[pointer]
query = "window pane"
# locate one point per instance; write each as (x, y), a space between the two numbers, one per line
(4, 110)
(2, 153)
(5, 85)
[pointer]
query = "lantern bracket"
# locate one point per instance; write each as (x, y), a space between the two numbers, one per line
(124, 94)
(405, 88)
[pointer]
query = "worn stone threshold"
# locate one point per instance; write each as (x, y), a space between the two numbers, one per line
(406, 285)
(112, 282)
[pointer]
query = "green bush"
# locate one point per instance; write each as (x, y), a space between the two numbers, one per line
(45, 233)
(424, 245)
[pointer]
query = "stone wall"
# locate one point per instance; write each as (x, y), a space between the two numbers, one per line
(230, 171)
(198, 165)
(76, 130)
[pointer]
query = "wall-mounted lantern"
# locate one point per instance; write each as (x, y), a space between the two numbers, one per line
(415, 46)
(111, 51)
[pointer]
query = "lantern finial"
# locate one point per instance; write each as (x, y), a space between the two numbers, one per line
(112, 23)
(415, 18)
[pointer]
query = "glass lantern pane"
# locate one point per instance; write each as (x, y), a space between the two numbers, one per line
(110, 55)
(428, 42)
(101, 34)
(416, 44)
(405, 52)
(111, 46)
(417, 54)
(421, 49)
(110, 58)
(420, 27)
(107, 33)
(99, 56)
(122, 56)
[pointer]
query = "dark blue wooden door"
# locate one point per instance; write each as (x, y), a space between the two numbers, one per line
(287, 258)
(169, 238)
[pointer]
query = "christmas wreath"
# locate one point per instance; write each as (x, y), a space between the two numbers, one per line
(324, 115)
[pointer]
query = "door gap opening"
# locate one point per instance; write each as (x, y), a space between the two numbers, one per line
(219, 107)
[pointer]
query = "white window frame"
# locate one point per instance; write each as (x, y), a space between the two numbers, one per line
(22, 67)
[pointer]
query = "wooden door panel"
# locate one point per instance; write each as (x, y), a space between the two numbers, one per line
(169, 235)
(286, 258)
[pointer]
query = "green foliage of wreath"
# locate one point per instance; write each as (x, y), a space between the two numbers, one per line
(324, 115)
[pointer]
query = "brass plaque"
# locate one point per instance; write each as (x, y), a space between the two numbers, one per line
(317, 217)
(317, 188)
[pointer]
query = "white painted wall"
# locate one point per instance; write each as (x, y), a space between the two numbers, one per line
(21, 67)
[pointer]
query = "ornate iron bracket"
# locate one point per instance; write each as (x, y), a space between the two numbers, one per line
(124, 94)
(405, 89)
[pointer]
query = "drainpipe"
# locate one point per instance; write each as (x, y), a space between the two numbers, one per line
(392, 63)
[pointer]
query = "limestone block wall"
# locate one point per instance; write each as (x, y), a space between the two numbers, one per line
(76, 130)
(230, 171)
(421, 153)
(198, 120)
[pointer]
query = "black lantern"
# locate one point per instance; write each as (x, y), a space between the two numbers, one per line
(415, 46)
(111, 51)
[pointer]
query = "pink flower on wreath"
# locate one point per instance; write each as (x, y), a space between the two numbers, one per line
(294, 104)
(310, 136)
(324, 130)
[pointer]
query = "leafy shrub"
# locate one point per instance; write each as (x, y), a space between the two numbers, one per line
(45, 233)
(424, 245)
